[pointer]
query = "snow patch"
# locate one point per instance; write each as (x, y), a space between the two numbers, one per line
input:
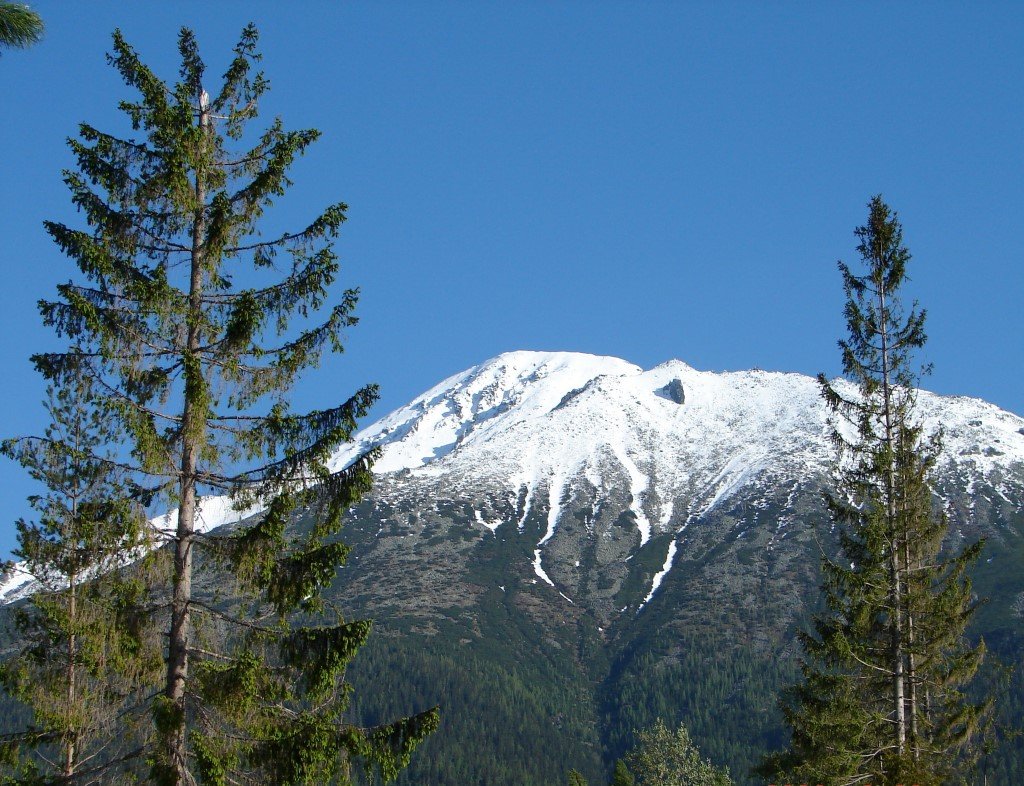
(540, 570)
(660, 575)
(491, 525)
(638, 483)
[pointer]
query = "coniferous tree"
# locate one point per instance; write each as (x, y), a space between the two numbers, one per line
(193, 329)
(881, 699)
(576, 779)
(622, 776)
(86, 657)
(20, 26)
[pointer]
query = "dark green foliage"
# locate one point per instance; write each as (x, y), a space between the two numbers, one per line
(512, 714)
(721, 692)
(20, 26)
(622, 776)
(86, 656)
(881, 697)
(193, 329)
(575, 779)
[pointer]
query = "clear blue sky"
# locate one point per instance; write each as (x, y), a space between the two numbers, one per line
(647, 180)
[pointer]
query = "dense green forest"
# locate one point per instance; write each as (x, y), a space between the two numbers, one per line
(514, 715)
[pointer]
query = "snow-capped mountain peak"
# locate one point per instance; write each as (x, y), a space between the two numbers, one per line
(542, 430)
(466, 406)
(563, 407)
(532, 436)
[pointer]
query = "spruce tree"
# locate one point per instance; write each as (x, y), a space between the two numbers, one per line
(193, 329)
(20, 26)
(884, 667)
(86, 658)
(622, 776)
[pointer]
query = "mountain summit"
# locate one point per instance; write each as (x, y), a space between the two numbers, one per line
(530, 433)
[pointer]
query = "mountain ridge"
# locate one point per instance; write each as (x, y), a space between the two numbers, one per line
(539, 383)
(528, 424)
(532, 426)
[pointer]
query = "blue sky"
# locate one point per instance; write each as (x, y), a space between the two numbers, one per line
(646, 180)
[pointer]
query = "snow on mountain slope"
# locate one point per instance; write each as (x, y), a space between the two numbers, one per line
(529, 418)
(213, 512)
(536, 426)
(468, 405)
(533, 427)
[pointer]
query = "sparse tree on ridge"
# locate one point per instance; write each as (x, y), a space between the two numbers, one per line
(86, 657)
(881, 699)
(193, 329)
(20, 26)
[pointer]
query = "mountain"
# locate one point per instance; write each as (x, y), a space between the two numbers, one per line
(531, 436)
(561, 548)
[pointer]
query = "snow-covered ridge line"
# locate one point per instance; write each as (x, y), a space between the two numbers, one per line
(673, 441)
(436, 422)
(212, 512)
(535, 397)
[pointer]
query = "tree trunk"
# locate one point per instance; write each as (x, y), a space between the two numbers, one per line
(192, 430)
(899, 677)
(70, 741)
(912, 708)
(895, 570)
(70, 527)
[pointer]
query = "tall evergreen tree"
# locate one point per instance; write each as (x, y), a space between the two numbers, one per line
(86, 659)
(881, 700)
(193, 330)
